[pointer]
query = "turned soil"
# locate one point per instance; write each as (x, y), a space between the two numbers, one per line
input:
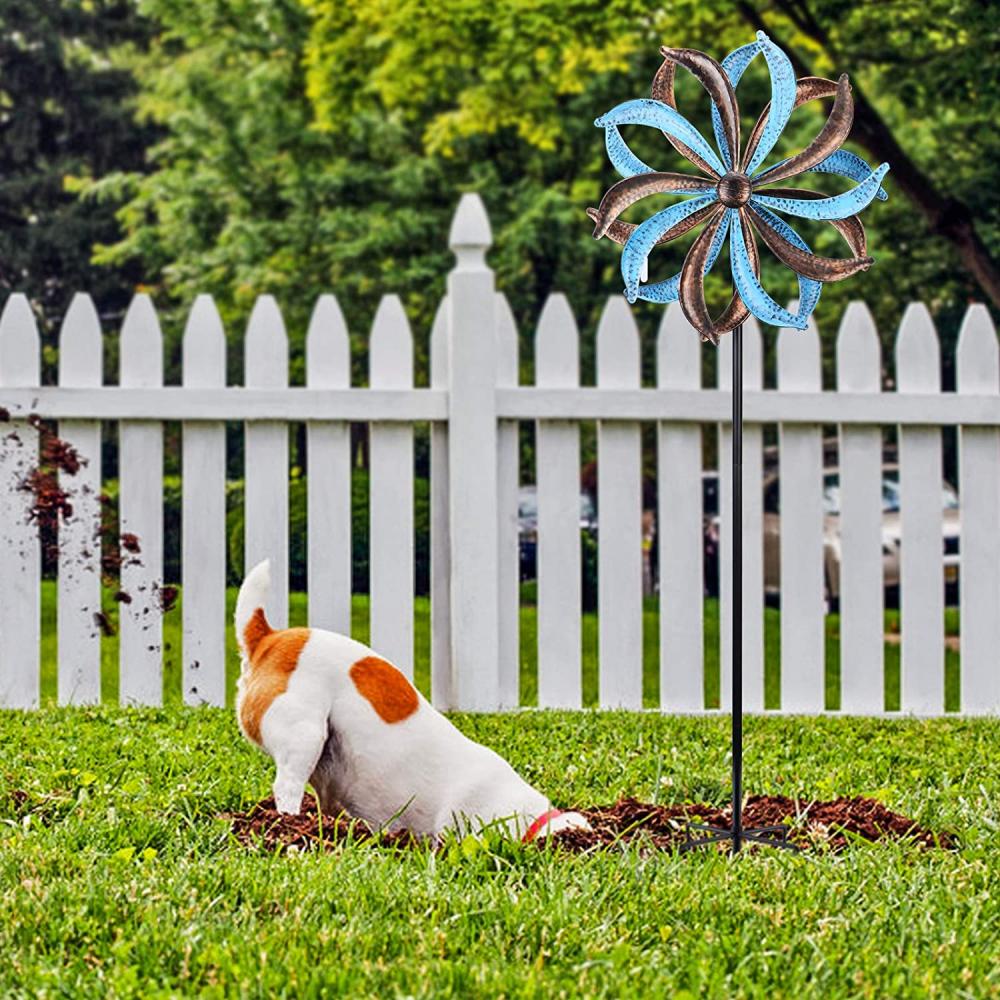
(814, 825)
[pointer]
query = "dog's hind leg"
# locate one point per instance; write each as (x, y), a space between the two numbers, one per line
(296, 743)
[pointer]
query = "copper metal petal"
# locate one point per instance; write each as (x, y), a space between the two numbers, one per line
(807, 264)
(692, 283)
(619, 232)
(630, 190)
(851, 228)
(829, 140)
(663, 90)
(692, 286)
(807, 88)
(720, 88)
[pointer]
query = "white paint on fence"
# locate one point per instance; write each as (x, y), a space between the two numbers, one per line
(557, 472)
(20, 553)
(442, 689)
(860, 577)
(140, 492)
(679, 524)
(265, 456)
(203, 516)
(921, 591)
(328, 469)
(390, 485)
(753, 552)
(508, 479)
(802, 572)
(619, 518)
(79, 603)
(978, 372)
(473, 403)
(472, 468)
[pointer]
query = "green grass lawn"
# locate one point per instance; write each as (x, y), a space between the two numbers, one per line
(529, 683)
(117, 879)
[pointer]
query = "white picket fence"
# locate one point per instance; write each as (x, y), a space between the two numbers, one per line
(473, 406)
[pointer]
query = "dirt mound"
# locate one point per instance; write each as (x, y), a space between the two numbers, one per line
(817, 825)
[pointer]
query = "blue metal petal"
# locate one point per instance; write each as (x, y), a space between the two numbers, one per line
(809, 288)
(838, 207)
(622, 158)
(846, 164)
(782, 99)
(644, 237)
(656, 114)
(734, 64)
(667, 291)
(749, 288)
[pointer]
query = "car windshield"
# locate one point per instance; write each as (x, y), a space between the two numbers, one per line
(890, 494)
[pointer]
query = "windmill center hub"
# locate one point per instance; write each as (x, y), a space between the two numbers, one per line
(734, 190)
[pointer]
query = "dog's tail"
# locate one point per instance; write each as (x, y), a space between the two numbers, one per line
(251, 623)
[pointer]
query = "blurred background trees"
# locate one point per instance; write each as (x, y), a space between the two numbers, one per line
(298, 146)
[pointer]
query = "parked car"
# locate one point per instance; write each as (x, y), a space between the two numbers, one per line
(527, 526)
(891, 532)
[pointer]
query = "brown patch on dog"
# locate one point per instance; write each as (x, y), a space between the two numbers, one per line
(255, 630)
(387, 690)
(273, 660)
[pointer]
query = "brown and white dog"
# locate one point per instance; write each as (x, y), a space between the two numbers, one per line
(332, 713)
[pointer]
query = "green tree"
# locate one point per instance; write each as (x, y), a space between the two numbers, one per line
(64, 116)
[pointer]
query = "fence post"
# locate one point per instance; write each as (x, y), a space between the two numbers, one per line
(20, 555)
(472, 454)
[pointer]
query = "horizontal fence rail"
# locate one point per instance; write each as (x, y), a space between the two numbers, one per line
(474, 406)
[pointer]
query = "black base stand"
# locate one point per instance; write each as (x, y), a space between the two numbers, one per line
(772, 836)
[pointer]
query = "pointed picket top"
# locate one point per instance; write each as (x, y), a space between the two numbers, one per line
(20, 347)
(678, 351)
(470, 236)
(753, 358)
(439, 346)
(328, 348)
(507, 352)
(799, 357)
(81, 347)
(617, 346)
(266, 351)
(859, 353)
(557, 344)
(141, 361)
(204, 348)
(390, 353)
(977, 357)
(918, 353)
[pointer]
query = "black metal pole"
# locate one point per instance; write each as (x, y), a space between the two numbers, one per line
(737, 588)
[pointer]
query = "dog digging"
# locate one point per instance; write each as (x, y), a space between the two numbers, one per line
(829, 826)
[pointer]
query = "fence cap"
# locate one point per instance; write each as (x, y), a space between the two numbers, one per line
(470, 236)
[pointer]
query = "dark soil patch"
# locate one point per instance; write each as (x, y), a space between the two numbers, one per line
(815, 825)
